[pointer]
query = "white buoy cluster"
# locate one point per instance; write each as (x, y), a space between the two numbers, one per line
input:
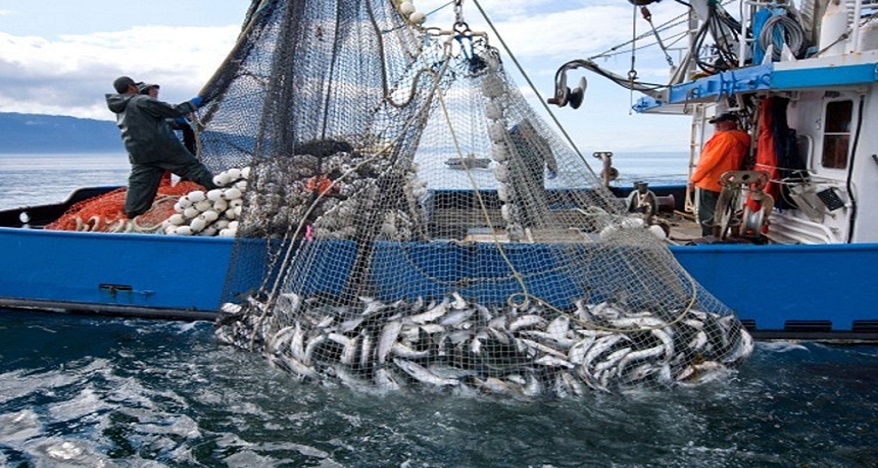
(282, 198)
(212, 213)
(407, 9)
(495, 90)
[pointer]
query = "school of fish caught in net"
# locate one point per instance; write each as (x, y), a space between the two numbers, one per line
(521, 275)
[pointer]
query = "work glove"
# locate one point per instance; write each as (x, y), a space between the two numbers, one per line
(551, 175)
(197, 100)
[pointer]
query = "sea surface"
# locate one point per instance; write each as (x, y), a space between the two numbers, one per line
(92, 391)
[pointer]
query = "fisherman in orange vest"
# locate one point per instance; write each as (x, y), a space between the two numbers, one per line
(724, 152)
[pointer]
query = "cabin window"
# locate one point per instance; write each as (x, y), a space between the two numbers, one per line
(837, 134)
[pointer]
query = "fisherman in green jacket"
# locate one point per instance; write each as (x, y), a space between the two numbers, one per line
(151, 143)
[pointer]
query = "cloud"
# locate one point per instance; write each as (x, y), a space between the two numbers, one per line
(70, 75)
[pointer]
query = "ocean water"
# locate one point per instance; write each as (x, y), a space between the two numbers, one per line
(92, 391)
(32, 179)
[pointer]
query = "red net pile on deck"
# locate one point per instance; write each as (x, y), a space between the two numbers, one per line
(105, 213)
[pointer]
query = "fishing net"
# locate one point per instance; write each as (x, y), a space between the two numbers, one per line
(427, 229)
(105, 213)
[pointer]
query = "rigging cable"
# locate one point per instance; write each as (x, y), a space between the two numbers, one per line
(779, 29)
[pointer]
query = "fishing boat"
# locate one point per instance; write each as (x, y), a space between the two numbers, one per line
(802, 81)
(470, 161)
(797, 269)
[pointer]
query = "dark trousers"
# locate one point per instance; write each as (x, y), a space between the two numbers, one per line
(144, 180)
(706, 209)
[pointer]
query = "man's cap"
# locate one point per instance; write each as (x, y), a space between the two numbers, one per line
(123, 82)
(145, 87)
(724, 117)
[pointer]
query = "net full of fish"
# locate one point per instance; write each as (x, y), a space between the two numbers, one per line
(457, 345)
(384, 269)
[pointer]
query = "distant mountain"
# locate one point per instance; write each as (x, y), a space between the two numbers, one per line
(37, 133)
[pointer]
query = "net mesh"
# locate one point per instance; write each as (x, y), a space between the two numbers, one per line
(426, 227)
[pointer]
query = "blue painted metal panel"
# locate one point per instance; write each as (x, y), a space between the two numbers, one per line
(772, 284)
(722, 84)
(761, 77)
(841, 75)
(124, 270)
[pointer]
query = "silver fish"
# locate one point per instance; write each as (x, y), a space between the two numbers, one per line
(476, 343)
(533, 387)
(313, 343)
(742, 350)
(576, 354)
(450, 372)
(373, 306)
(639, 372)
(605, 311)
(498, 322)
(432, 328)
(499, 335)
(549, 339)
(639, 355)
(542, 348)
(459, 302)
(485, 314)
(301, 370)
(289, 302)
(637, 322)
(423, 375)
(495, 385)
(389, 334)
(431, 315)
(600, 346)
(280, 338)
(385, 380)
(365, 349)
(570, 384)
(350, 324)
(297, 344)
(583, 311)
(526, 321)
(553, 361)
(349, 347)
(558, 326)
(699, 341)
(664, 335)
(611, 360)
(457, 317)
(403, 351)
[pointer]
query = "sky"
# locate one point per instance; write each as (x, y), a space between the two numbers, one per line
(61, 56)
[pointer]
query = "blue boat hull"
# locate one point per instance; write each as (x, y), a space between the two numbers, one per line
(130, 274)
(186, 277)
(792, 291)
(797, 289)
